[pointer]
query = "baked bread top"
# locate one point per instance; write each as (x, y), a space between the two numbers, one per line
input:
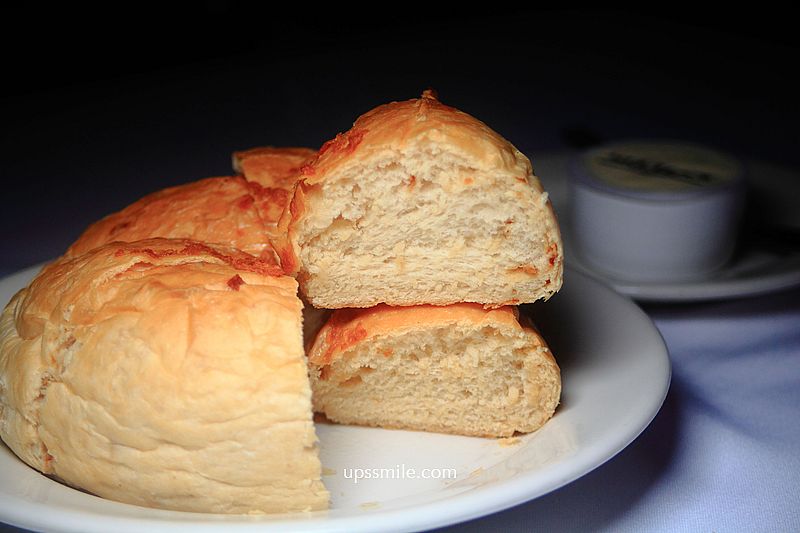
(221, 210)
(346, 327)
(271, 166)
(59, 279)
(398, 124)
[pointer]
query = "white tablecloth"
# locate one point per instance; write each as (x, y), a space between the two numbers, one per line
(724, 452)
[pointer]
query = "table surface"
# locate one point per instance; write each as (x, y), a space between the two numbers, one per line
(722, 453)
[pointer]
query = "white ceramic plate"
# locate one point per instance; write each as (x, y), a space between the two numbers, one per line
(753, 270)
(615, 376)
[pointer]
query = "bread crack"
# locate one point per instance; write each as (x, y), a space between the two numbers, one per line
(46, 379)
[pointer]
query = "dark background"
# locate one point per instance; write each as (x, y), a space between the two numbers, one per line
(100, 107)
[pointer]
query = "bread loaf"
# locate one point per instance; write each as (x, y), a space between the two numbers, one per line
(454, 369)
(420, 203)
(163, 373)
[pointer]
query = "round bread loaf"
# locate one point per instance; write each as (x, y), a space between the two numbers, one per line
(163, 373)
(420, 203)
(454, 369)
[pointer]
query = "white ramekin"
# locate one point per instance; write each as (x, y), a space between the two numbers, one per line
(655, 211)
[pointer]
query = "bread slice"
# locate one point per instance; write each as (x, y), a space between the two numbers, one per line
(453, 369)
(163, 373)
(221, 210)
(273, 170)
(420, 203)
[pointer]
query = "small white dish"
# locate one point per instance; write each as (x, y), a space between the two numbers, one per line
(753, 270)
(616, 374)
(655, 211)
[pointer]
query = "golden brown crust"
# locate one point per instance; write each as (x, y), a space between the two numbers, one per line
(347, 327)
(284, 235)
(270, 166)
(272, 174)
(399, 123)
(222, 210)
(164, 373)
